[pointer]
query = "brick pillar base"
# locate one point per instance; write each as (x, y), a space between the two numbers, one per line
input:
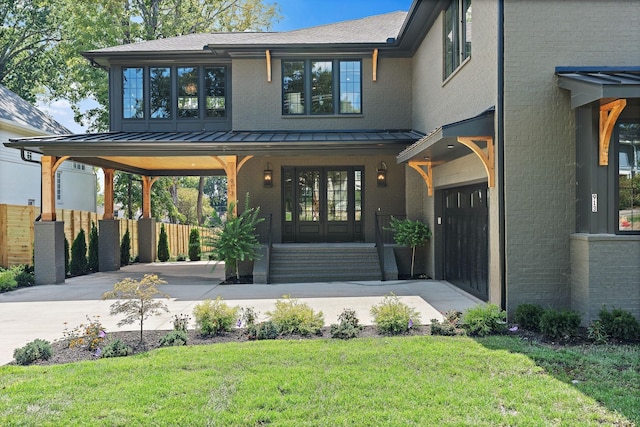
(49, 252)
(109, 244)
(147, 247)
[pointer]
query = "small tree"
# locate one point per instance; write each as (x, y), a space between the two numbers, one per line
(410, 233)
(236, 241)
(163, 245)
(78, 264)
(194, 245)
(93, 248)
(66, 257)
(125, 249)
(136, 300)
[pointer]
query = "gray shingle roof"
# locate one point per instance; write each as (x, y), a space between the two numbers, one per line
(373, 29)
(17, 110)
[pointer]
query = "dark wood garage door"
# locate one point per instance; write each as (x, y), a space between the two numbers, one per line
(466, 239)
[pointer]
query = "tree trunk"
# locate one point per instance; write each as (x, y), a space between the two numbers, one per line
(200, 197)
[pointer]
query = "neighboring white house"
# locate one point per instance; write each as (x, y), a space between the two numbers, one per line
(20, 178)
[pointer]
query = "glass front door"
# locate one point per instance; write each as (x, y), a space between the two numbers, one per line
(322, 204)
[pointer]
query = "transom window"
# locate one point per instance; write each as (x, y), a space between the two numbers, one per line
(320, 87)
(174, 92)
(457, 35)
(628, 143)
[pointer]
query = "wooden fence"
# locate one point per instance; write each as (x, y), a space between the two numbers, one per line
(17, 232)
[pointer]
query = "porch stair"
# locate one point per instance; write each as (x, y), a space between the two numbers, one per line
(324, 262)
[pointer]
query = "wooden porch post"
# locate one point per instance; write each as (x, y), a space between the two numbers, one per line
(108, 193)
(147, 182)
(48, 188)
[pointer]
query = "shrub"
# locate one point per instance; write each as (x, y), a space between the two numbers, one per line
(174, 338)
(92, 262)
(181, 322)
(394, 317)
(33, 351)
(163, 245)
(194, 245)
(248, 317)
(619, 324)
(78, 264)
(67, 258)
(450, 326)
(136, 299)
(125, 249)
(484, 320)
(528, 316)
(116, 348)
(25, 276)
(214, 317)
(8, 279)
(266, 330)
(348, 325)
(294, 317)
(596, 332)
(89, 335)
(559, 324)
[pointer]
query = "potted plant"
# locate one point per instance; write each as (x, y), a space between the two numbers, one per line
(410, 233)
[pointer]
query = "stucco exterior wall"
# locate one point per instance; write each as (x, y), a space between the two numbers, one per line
(539, 135)
(388, 200)
(386, 103)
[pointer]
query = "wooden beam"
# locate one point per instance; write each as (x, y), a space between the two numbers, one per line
(108, 192)
(48, 183)
(427, 175)
(487, 158)
(147, 182)
(243, 161)
(375, 65)
(268, 54)
(231, 168)
(609, 114)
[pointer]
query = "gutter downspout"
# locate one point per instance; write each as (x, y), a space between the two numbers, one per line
(25, 159)
(500, 142)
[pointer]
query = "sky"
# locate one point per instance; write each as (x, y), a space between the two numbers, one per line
(295, 14)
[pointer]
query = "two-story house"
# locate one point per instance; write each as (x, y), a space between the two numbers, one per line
(508, 126)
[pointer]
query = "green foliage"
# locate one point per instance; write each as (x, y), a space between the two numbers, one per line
(214, 317)
(88, 335)
(528, 316)
(78, 264)
(163, 245)
(294, 317)
(194, 245)
(136, 300)
(116, 348)
(8, 279)
(348, 325)
(67, 258)
(125, 249)
(92, 262)
(450, 326)
(410, 233)
(236, 240)
(559, 324)
(25, 276)
(266, 330)
(174, 338)
(619, 324)
(484, 319)
(597, 333)
(394, 317)
(32, 352)
(181, 322)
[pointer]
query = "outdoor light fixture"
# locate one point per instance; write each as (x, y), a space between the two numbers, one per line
(381, 174)
(268, 176)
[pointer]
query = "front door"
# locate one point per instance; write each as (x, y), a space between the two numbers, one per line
(322, 204)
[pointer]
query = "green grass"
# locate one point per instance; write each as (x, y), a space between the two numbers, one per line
(400, 381)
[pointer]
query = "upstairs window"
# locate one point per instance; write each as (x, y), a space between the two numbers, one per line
(457, 35)
(132, 93)
(160, 90)
(321, 87)
(188, 92)
(215, 91)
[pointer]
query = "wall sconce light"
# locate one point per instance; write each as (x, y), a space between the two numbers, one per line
(381, 175)
(268, 176)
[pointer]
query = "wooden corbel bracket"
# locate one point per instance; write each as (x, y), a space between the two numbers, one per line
(609, 114)
(427, 175)
(487, 157)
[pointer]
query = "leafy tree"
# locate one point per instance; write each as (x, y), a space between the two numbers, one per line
(410, 233)
(125, 249)
(163, 245)
(194, 245)
(215, 187)
(78, 264)
(236, 241)
(187, 205)
(127, 191)
(93, 249)
(136, 300)
(66, 256)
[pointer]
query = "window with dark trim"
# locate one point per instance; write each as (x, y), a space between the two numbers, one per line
(628, 147)
(132, 93)
(321, 87)
(457, 35)
(160, 93)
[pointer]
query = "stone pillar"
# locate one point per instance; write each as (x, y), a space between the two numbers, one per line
(49, 252)
(109, 244)
(147, 246)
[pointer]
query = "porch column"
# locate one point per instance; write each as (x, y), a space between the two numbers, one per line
(147, 182)
(48, 188)
(109, 244)
(231, 168)
(108, 193)
(147, 248)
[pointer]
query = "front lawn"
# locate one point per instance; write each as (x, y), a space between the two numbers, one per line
(399, 381)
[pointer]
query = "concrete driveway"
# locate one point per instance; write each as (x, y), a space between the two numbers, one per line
(41, 311)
